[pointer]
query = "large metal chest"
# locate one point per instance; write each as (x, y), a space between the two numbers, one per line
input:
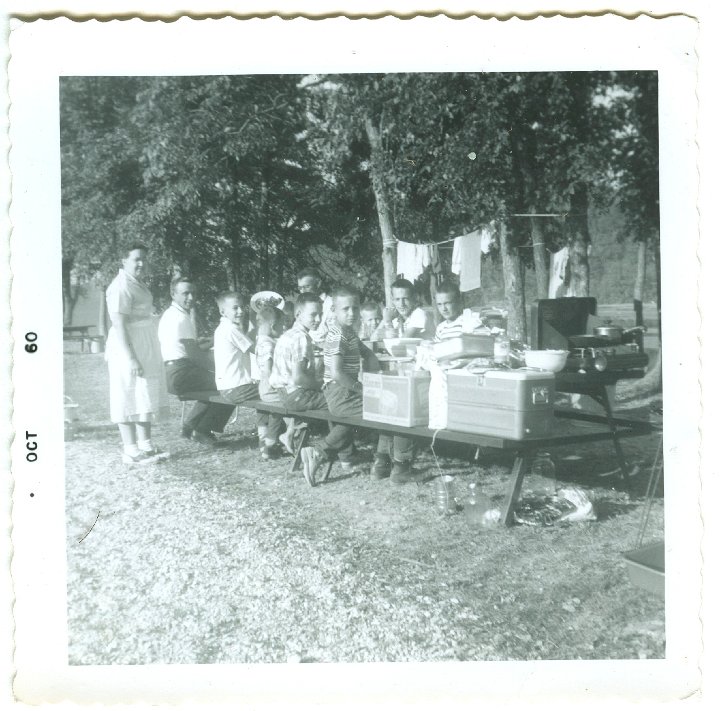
(514, 404)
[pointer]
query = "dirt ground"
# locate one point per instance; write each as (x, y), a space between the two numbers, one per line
(220, 557)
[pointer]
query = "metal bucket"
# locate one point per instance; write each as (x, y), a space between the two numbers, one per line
(445, 494)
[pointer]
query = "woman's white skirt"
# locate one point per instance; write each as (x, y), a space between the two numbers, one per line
(135, 398)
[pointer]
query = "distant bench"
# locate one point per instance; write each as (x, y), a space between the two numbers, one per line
(593, 428)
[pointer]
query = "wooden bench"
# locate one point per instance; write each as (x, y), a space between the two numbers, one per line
(571, 428)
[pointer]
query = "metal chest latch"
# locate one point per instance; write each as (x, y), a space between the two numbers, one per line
(540, 395)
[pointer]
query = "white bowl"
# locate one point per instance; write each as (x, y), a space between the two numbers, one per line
(554, 361)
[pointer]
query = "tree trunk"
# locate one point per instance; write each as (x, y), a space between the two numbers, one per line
(578, 243)
(70, 292)
(639, 289)
(514, 297)
(539, 258)
(389, 244)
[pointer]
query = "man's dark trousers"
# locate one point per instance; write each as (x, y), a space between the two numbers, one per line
(184, 376)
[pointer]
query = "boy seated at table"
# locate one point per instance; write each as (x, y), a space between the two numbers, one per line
(343, 354)
(294, 377)
(371, 318)
(456, 319)
(232, 347)
(449, 303)
(407, 317)
(270, 326)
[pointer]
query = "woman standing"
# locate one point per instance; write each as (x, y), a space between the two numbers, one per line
(137, 379)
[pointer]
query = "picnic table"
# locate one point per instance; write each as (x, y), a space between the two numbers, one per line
(77, 333)
(571, 427)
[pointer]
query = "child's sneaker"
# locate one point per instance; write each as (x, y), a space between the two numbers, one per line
(141, 458)
(286, 440)
(155, 453)
(312, 458)
(270, 451)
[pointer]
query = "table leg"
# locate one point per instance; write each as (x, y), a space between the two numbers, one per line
(296, 462)
(604, 400)
(514, 487)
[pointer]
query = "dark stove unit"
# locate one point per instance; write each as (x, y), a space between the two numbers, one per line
(566, 324)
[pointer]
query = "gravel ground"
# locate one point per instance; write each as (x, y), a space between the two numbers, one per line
(212, 558)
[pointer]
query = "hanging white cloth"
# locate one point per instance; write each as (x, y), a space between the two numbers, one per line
(467, 260)
(412, 259)
(559, 261)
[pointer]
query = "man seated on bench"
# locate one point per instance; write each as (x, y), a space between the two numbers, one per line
(188, 366)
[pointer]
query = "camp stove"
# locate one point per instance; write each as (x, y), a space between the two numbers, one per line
(609, 358)
(567, 324)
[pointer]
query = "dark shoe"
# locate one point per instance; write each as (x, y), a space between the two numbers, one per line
(186, 432)
(311, 459)
(403, 473)
(270, 451)
(207, 439)
(381, 467)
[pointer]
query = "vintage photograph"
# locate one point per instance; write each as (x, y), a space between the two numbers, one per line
(354, 361)
(362, 367)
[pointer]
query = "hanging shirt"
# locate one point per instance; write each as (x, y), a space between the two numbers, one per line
(558, 273)
(467, 260)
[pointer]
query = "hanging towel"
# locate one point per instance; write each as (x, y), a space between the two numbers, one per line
(558, 273)
(409, 260)
(413, 259)
(467, 260)
(487, 237)
(431, 258)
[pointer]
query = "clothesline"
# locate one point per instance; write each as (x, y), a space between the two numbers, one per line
(515, 214)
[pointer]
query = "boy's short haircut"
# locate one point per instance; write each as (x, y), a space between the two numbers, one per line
(309, 272)
(306, 298)
(269, 314)
(448, 287)
(344, 291)
(403, 284)
(179, 280)
(223, 296)
(370, 306)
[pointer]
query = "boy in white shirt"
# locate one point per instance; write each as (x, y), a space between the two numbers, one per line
(232, 347)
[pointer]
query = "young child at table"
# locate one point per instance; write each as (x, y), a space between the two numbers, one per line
(270, 326)
(232, 347)
(343, 354)
(371, 317)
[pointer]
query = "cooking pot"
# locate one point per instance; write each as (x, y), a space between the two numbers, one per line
(615, 334)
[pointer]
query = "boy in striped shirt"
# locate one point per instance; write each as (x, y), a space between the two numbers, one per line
(449, 303)
(342, 357)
